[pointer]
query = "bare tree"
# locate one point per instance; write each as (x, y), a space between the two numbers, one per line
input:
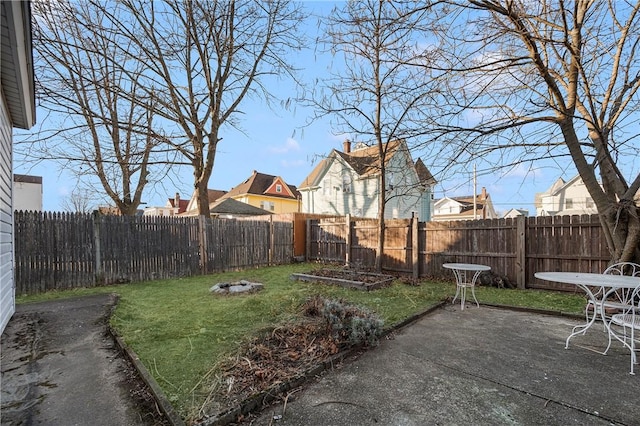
(100, 121)
(548, 79)
(380, 95)
(201, 59)
(81, 200)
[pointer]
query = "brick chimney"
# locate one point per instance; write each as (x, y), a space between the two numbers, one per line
(346, 146)
(176, 202)
(484, 193)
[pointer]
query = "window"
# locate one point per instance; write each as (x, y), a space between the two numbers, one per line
(568, 204)
(267, 205)
(346, 182)
(278, 188)
(590, 203)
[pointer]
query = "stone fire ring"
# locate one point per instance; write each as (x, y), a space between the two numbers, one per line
(238, 287)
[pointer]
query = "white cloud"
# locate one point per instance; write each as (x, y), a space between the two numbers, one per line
(289, 146)
(293, 163)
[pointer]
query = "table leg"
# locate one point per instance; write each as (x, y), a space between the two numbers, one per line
(582, 328)
(462, 284)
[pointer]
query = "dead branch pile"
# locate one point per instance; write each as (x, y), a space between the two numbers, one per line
(284, 353)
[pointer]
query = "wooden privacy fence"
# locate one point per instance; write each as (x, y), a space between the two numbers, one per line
(67, 250)
(514, 248)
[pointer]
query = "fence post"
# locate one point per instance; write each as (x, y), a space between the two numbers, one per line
(307, 241)
(202, 243)
(521, 255)
(272, 244)
(99, 272)
(347, 250)
(415, 253)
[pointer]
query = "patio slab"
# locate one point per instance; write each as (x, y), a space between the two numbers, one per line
(481, 366)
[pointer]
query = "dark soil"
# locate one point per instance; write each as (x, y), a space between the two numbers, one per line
(351, 275)
(148, 409)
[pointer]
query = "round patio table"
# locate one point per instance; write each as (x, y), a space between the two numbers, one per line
(588, 281)
(466, 276)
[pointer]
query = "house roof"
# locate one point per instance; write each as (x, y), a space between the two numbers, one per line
(260, 183)
(424, 174)
(215, 194)
(312, 177)
(16, 63)
(234, 207)
(27, 179)
(365, 162)
(466, 205)
(182, 204)
(516, 212)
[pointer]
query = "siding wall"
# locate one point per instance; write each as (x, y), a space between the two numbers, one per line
(7, 294)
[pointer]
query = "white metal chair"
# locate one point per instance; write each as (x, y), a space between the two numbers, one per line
(629, 320)
(616, 301)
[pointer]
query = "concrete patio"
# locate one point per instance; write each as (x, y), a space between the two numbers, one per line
(480, 366)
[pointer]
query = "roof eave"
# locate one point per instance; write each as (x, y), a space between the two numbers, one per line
(18, 70)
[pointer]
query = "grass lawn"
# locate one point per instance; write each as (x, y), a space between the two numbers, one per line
(180, 331)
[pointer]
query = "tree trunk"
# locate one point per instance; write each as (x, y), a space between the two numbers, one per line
(127, 209)
(381, 225)
(203, 198)
(622, 229)
(618, 217)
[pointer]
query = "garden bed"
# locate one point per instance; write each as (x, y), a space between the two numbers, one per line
(345, 278)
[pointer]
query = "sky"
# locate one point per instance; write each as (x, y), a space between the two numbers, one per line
(276, 142)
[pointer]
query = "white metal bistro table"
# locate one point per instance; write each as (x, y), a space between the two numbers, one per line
(462, 272)
(586, 281)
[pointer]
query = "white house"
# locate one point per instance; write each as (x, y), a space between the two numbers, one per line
(17, 110)
(565, 198)
(191, 208)
(27, 193)
(461, 208)
(515, 213)
(348, 182)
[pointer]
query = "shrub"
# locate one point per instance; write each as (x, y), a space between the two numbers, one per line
(347, 323)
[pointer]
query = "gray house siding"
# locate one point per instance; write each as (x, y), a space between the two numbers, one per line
(7, 285)
(17, 110)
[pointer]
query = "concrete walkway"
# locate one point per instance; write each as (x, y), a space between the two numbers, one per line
(60, 367)
(480, 366)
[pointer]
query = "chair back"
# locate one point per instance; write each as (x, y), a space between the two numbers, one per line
(623, 268)
(624, 296)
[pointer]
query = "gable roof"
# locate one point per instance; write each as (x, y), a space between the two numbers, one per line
(215, 194)
(312, 177)
(466, 204)
(425, 176)
(260, 184)
(212, 195)
(235, 207)
(365, 162)
(182, 204)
